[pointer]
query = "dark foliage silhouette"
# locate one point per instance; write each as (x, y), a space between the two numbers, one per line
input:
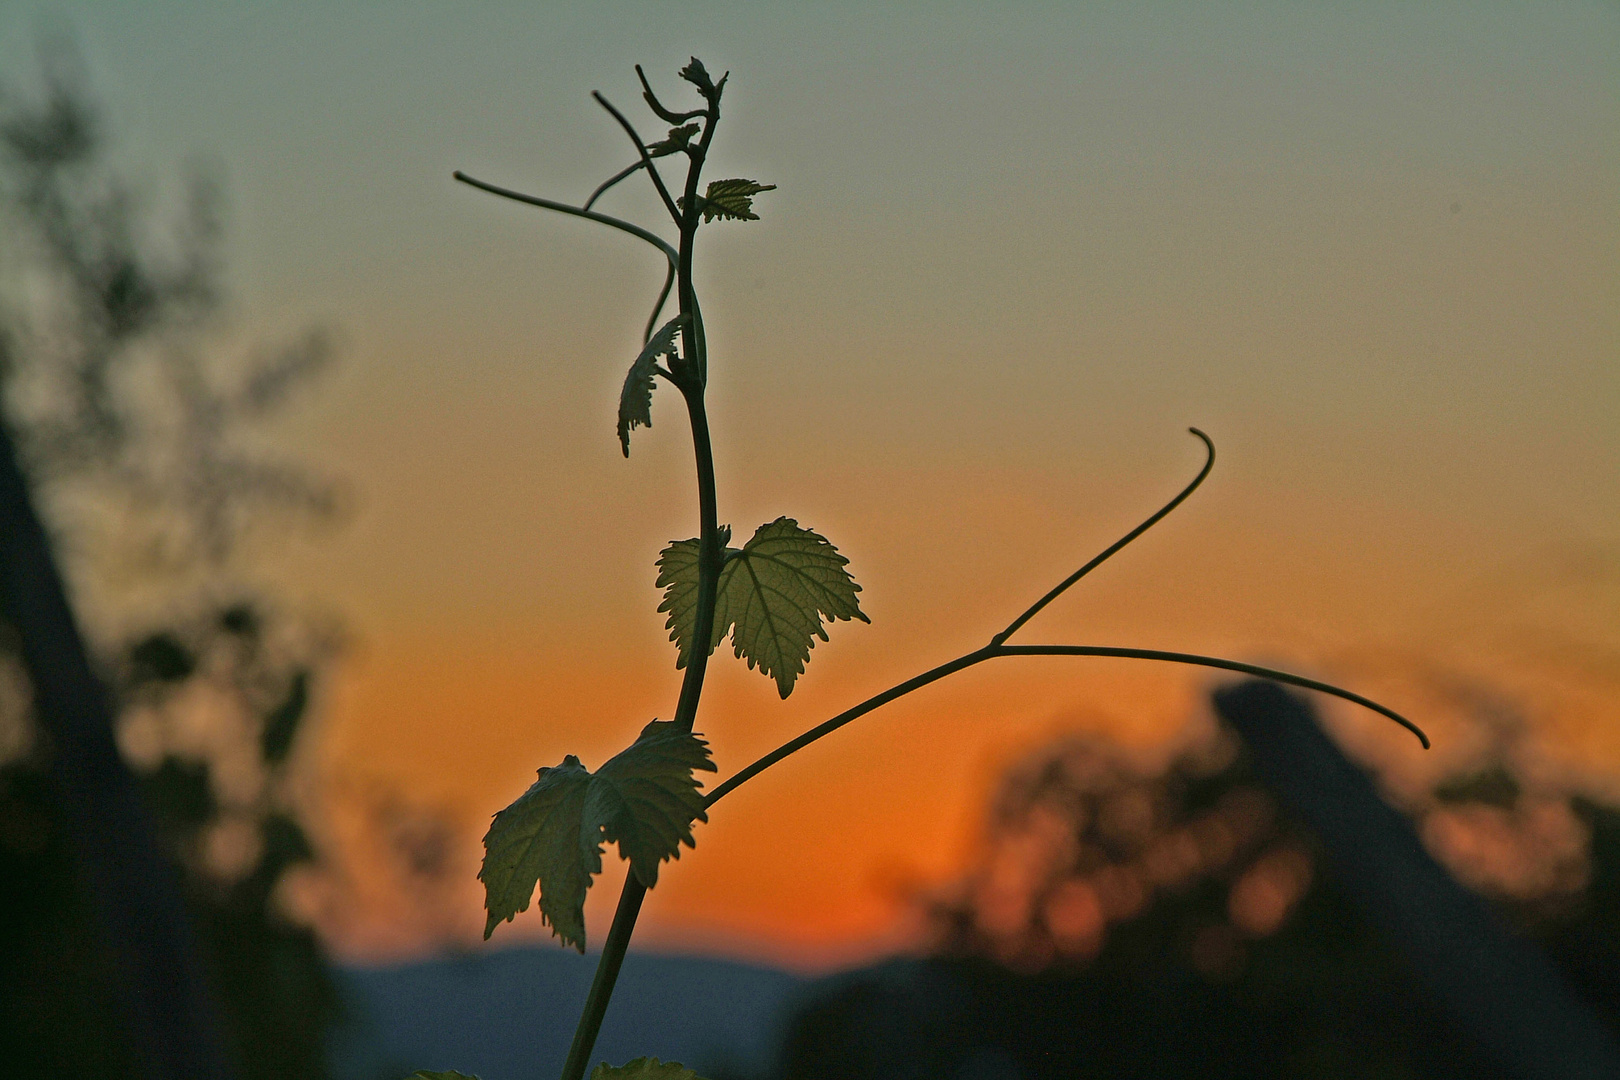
(1233, 913)
(140, 855)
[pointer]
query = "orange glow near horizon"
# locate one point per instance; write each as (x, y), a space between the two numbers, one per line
(808, 865)
(818, 863)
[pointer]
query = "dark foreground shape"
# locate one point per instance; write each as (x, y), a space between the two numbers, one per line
(168, 1010)
(476, 1012)
(1502, 993)
(1385, 968)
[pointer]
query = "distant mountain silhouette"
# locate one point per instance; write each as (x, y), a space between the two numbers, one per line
(509, 1014)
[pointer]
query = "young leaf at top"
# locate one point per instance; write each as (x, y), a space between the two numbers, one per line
(644, 1068)
(644, 799)
(732, 199)
(773, 596)
(635, 397)
(696, 74)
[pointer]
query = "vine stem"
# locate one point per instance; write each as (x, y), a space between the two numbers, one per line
(691, 377)
(607, 974)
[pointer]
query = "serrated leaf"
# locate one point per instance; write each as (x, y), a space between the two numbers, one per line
(635, 397)
(541, 839)
(679, 139)
(732, 199)
(644, 1068)
(644, 799)
(774, 594)
(678, 577)
(772, 597)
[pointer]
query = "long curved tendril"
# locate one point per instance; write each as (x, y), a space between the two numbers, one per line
(601, 189)
(563, 208)
(646, 159)
(994, 651)
(827, 727)
(1217, 662)
(627, 171)
(1034, 609)
(998, 648)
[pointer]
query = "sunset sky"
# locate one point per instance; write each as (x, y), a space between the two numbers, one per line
(1015, 251)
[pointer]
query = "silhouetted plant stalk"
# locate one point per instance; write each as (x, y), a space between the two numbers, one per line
(773, 596)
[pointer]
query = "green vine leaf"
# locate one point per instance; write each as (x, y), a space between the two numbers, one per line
(679, 139)
(732, 199)
(541, 839)
(635, 398)
(774, 594)
(644, 1068)
(773, 597)
(644, 799)
(678, 577)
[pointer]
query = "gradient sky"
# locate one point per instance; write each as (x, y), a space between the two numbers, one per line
(1015, 250)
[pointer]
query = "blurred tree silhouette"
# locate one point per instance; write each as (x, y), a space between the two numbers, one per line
(1125, 919)
(132, 424)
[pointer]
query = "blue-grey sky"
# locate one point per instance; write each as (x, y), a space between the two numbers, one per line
(1372, 248)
